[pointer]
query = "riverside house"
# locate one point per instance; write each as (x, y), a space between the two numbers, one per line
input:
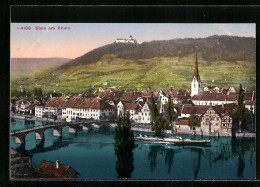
(218, 118)
(88, 108)
(51, 108)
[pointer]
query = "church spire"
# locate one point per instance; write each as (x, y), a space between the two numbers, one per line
(196, 70)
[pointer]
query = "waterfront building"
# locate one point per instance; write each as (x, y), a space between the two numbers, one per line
(31, 109)
(143, 115)
(39, 111)
(51, 108)
(132, 108)
(21, 105)
(196, 82)
(218, 118)
(48, 169)
(88, 108)
(182, 124)
(211, 121)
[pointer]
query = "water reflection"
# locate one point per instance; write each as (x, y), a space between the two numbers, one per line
(222, 150)
(169, 159)
(225, 158)
(152, 156)
(40, 147)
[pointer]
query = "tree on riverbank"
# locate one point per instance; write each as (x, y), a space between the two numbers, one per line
(194, 121)
(240, 107)
(169, 111)
(158, 122)
(124, 146)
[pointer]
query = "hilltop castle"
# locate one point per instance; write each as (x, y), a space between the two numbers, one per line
(126, 40)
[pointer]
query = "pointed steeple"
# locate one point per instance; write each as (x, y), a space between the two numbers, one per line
(196, 70)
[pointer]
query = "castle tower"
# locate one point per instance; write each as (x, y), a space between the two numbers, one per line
(196, 83)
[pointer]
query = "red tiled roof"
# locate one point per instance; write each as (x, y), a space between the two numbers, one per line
(92, 103)
(226, 108)
(111, 94)
(214, 97)
(90, 95)
(48, 170)
(248, 96)
(147, 93)
(249, 102)
(32, 106)
(55, 102)
(182, 97)
(194, 109)
(137, 94)
(126, 96)
(131, 106)
(174, 91)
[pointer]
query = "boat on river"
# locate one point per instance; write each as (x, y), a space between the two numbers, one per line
(174, 140)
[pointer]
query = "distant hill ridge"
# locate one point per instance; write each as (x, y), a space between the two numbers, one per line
(25, 66)
(225, 48)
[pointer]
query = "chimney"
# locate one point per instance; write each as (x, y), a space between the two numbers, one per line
(57, 164)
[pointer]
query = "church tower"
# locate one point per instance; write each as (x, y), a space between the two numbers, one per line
(196, 83)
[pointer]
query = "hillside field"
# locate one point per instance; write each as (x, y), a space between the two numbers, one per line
(129, 74)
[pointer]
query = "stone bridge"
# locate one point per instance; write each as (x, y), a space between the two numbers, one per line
(57, 129)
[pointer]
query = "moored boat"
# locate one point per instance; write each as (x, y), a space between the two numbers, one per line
(174, 140)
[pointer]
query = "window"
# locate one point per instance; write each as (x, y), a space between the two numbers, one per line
(194, 85)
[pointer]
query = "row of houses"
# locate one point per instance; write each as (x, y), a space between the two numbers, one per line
(108, 105)
(213, 118)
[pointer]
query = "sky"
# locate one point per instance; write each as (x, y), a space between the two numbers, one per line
(84, 37)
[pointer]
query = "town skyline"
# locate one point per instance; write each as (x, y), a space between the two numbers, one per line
(82, 38)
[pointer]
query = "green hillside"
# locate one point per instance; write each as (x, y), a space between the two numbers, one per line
(223, 60)
(157, 72)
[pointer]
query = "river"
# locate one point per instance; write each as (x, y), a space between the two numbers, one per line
(91, 154)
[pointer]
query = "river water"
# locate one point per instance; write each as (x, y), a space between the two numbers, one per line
(91, 154)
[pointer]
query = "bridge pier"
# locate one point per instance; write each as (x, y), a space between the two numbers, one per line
(20, 138)
(72, 130)
(39, 135)
(85, 128)
(57, 132)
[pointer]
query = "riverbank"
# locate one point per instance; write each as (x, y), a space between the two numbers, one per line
(145, 128)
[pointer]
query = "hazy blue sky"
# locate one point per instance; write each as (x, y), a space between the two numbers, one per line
(83, 37)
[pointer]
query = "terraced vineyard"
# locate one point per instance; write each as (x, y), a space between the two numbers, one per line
(156, 72)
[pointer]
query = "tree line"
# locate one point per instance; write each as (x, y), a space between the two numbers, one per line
(160, 122)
